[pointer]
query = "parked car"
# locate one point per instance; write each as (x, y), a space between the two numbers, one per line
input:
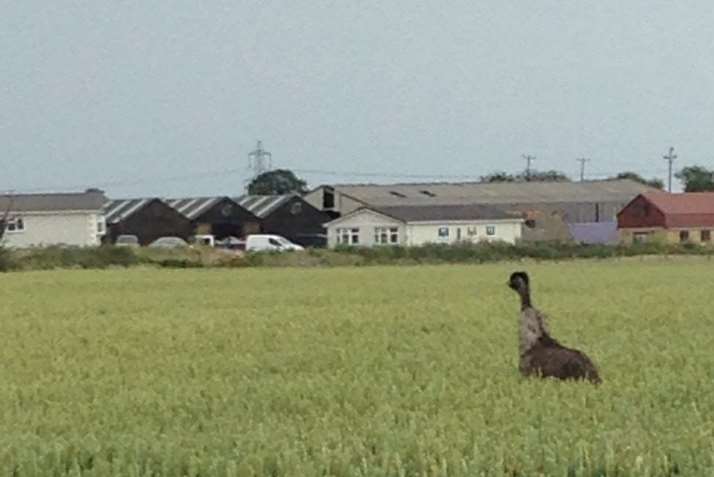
(231, 243)
(168, 242)
(267, 242)
(127, 241)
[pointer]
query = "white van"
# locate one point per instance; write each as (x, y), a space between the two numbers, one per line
(266, 242)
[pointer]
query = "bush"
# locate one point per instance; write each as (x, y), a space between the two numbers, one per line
(7, 261)
(48, 258)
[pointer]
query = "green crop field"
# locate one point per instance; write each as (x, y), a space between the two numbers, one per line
(374, 371)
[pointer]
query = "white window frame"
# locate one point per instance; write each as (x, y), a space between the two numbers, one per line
(347, 235)
(490, 230)
(444, 236)
(101, 226)
(15, 225)
(386, 235)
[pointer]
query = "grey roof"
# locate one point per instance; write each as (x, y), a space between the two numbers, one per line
(616, 190)
(437, 213)
(69, 201)
(193, 207)
(262, 205)
(117, 210)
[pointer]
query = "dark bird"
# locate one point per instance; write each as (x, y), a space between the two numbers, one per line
(539, 353)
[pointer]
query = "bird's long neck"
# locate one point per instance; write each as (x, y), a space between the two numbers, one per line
(525, 293)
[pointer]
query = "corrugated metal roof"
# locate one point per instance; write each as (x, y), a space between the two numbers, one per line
(689, 209)
(193, 207)
(262, 205)
(494, 193)
(117, 210)
(73, 201)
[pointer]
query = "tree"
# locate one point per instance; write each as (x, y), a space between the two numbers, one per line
(278, 181)
(654, 182)
(696, 179)
(498, 177)
(534, 176)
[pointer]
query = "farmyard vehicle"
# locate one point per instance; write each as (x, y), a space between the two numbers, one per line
(268, 242)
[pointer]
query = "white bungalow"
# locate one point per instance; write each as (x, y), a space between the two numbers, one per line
(418, 225)
(53, 219)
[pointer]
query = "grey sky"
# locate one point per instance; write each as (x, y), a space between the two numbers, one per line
(140, 96)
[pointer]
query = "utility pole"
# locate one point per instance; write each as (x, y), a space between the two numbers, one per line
(582, 161)
(670, 157)
(528, 159)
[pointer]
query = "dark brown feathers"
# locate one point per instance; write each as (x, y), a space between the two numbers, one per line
(539, 353)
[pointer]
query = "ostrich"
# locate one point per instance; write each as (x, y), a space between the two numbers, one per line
(540, 354)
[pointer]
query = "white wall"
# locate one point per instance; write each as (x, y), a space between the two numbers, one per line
(505, 230)
(416, 233)
(66, 228)
(366, 221)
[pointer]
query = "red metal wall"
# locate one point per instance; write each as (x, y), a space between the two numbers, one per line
(640, 213)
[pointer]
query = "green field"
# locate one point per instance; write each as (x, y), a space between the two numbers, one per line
(374, 371)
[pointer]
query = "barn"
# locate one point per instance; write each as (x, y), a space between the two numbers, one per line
(663, 217)
(147, 219)
(549, 207)
(221, 217)
(290, 216)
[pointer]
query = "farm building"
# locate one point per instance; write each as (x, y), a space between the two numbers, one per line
(218, 216)
(549, 206)
(53, 219)
(288, 215)
(685, 217)
(418, 225)
(148, 219)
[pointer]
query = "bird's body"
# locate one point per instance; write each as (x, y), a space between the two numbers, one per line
(539, 353)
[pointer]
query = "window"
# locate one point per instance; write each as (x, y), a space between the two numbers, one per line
(705, 235)
(490, 230)
(386, 235)
(640, 237)
(471, 231)
(443, 232)
(683, 235)
(15, 224)
(348, 236)
(274, 242)
(296, 208)
(101, 226)
(328, 199)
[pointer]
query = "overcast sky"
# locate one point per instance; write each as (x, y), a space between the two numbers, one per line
(168, 98)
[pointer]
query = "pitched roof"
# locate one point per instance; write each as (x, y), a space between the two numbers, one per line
(71, 201)
(193, 207)
(437, 213)
(614, 190)
(119, 209)
(262, 205)
(688, 209)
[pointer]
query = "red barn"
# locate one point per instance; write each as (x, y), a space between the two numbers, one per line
(686, 217)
